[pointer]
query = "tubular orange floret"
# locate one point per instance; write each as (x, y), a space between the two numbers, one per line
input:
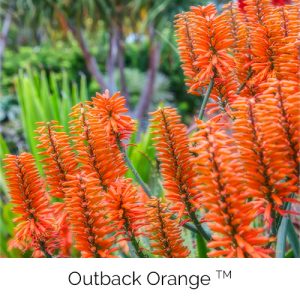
(127, 210)
(111, 111)
(94, 151)
(35, 228)
(165, 233)
(172, 148)
(59, 159)
(90, 220)
(224, 195)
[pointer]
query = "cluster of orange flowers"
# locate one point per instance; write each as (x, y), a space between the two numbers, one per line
(247, 153)
(232, 178)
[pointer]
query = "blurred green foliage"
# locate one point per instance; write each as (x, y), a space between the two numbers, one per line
(65, 56)
(43, 99)
(56, 57)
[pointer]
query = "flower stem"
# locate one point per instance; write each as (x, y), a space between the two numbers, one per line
(43, 249)
(245, 82)
(137, 248)
(206, 97)
(133, 169)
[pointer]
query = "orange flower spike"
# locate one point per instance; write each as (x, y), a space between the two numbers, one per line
(230, 11)
(264, 52)
(289, 21)
(293, 110)
(282, 91)
(35, 228)
(94, 151)
(110, 110)
(89, 219)
(240, 31)
(59, 159)
(176, 166)
(203, 39)
(264, 152)
(267, 38)
(258, 11)
(127, 211)
(249, 149)
(186, 49)
(224, 194)
(212, 39)
(288, 54)
(165, 233)
(279, 157)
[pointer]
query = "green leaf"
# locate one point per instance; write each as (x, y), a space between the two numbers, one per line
(282, 236)
(293, 238)
(201, 246)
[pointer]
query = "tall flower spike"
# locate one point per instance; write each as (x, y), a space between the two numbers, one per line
(279, 157)
(35, 228)
(282, 92)
(176, 167)
(288, 55)
(165, 233)
(265, 161)
(127, 210)
(111, 110)
(224, 196)
(59, 160)
(90, 220)
(230, 12)
(212, 39)
(186, 48)
(94, 151)
(267, 37)
(240, 32)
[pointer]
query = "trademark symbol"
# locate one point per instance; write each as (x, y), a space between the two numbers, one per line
(223, 274)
